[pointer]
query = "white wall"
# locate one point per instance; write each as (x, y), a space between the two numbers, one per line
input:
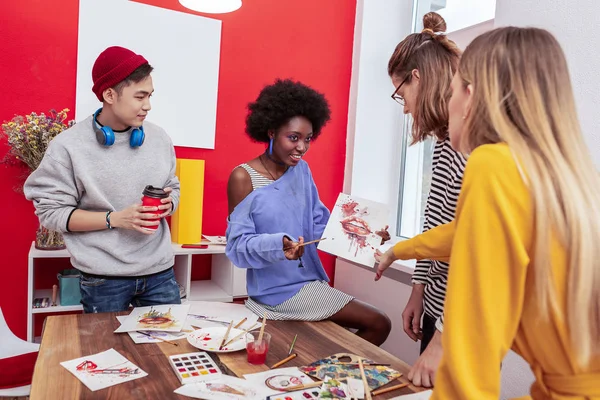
(375, 120)
(575, 26)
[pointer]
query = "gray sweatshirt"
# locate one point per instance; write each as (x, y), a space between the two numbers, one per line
(78, 172)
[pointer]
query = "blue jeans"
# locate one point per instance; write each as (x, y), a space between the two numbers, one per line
(112, 294)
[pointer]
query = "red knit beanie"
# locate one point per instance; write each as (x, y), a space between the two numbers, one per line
(112, 66)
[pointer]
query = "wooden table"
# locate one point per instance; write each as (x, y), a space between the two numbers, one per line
(67, 337)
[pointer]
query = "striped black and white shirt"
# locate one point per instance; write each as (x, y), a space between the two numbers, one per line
(446, 180)
(257, 179)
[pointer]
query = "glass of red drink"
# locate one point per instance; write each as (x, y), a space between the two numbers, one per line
(257, 350)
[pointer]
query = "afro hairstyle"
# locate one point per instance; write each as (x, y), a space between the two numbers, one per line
(283, 100)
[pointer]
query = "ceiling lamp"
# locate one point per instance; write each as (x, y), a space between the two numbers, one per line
(212, 6)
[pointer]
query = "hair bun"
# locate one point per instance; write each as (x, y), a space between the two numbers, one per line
(433, 21)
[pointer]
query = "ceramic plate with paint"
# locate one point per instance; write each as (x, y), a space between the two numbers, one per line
(194, 367)
(209, 339)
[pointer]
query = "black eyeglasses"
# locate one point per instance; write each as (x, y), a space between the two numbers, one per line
(395, 96)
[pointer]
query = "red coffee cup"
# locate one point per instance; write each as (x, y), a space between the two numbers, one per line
(152, 198)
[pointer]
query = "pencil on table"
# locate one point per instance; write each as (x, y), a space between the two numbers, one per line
(280, 363)
(364, 379)
(240, 323)
(226, 335)
(389, 389)
(292, 346)
(158, 338)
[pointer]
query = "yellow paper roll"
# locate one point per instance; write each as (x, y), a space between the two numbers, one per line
(186, 222)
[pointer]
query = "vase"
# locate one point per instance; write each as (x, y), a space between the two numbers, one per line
(46, 239)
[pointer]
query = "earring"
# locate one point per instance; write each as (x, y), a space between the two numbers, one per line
(271, 147)
(464, 117)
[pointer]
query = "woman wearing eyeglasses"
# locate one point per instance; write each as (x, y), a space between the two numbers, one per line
(274, 207)
(421, 69)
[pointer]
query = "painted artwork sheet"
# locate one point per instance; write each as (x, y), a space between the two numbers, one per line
(274, 382)
(140, 337)
(351, 230)
(168, 318)
(225, 388)
(103, 370)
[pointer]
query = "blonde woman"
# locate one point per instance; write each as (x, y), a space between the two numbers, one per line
(527, 225)
(421, 69)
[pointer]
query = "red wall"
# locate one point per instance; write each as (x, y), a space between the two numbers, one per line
(308, 40)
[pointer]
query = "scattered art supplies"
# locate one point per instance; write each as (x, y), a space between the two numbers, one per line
(211, 339)
(345, 365)
(224, 388)
(168, 318)
(102, 370)
(415, 396)
(139, 337)
(194, 367)
(281, 382)
(352, 228)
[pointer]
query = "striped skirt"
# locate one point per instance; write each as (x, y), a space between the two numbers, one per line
(316, 301)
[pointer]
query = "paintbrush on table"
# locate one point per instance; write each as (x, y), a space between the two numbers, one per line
(226, 335)
(157, 338)
(241, 334)
(364, 379)
(240, 323)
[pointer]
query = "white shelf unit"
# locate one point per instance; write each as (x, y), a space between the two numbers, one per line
(227, 282)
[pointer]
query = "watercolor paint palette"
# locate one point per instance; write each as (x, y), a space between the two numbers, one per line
(336, 367)
(194, 367)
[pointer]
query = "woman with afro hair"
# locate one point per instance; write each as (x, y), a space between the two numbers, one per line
(274, 207)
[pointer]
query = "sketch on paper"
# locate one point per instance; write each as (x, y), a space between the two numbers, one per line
(275, 381)
(224, 388)
(104, 369)
(352, 227)
(169, 317)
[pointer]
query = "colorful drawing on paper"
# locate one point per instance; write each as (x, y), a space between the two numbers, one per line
(352, 229)
(104, 369)
(156, 319)
(334, 389)
(169, 318)
(332, 367)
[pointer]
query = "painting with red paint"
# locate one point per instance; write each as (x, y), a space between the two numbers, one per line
(102, 370)
(352, 229)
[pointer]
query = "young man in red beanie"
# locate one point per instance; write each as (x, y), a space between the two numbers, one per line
(89, 184)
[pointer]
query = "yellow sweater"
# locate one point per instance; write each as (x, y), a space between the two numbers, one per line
(490, 304)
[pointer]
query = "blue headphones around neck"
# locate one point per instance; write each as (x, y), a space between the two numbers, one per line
(106, 136)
